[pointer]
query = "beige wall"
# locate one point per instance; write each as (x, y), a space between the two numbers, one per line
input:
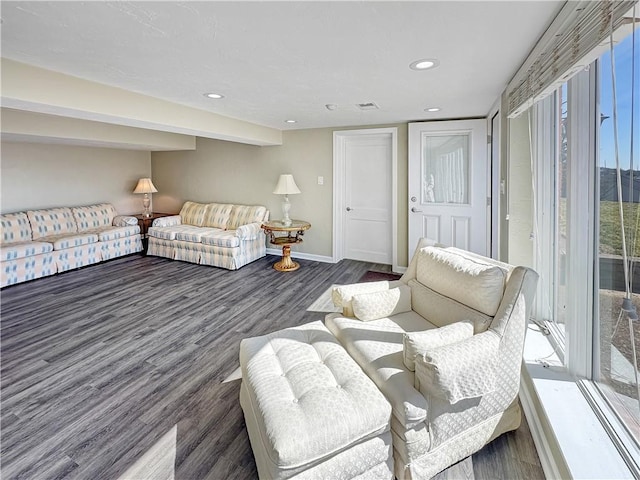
(230, 172)
(40, 176)
(520, 195)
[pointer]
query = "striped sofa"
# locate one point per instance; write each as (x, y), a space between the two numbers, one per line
(38, 243)
(216, 234)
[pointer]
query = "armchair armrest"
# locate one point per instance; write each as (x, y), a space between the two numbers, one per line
(169, 221)
(465, 369)
(416, 344)
(343, 295)
(249, 231)
(124, 221)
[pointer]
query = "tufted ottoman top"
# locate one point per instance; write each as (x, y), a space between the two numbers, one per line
(310, 397)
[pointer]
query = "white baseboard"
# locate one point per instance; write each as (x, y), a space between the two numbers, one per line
(302, 255)
(320, 258)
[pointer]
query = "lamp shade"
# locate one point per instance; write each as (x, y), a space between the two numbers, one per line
(286, 185)
(145, 185)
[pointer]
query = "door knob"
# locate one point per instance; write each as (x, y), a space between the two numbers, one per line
(414, 210)
(348, 209)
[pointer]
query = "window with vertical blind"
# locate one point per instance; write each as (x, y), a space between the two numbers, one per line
(585, 148)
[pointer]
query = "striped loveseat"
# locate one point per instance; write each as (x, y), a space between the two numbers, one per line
(37, 243)
(216, 234)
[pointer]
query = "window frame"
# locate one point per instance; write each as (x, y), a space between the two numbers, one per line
(577, 347)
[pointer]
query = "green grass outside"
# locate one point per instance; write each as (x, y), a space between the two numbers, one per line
(611, 233)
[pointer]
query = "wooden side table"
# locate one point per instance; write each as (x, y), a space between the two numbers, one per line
(294, 233)
(145, 222)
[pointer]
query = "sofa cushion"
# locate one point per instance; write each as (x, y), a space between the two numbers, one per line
(193, 213)
(94, 216)
(243, 214)
(377, 347)
(61, 242)
(418, 343)
(310, 399)
(22, 250)
(52, 221)
(15, 228)
(217, 215)
(194, 235)
(169, 233)
(113, 233)
(371, 306)
(467, 280)
(224, 238)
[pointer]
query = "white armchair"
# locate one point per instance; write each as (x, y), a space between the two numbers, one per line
(463, 334)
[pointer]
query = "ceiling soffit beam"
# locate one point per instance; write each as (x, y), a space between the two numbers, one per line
(34, 89)
(20, 125)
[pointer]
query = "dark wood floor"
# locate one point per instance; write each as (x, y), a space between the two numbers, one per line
(101, 363)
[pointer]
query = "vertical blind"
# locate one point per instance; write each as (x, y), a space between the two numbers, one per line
(569, 45)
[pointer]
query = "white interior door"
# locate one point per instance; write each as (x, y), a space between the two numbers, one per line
(448, 184)
(365, 204)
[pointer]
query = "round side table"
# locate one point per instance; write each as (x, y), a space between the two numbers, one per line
(293, 236)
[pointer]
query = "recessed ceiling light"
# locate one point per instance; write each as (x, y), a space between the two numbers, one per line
(290, 121)
(424, 64)
(213, 95)
(432, 109)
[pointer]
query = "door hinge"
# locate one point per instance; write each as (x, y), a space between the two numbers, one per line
(488, 138)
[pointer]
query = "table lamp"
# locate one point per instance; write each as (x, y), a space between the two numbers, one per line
(145, 185)
(286, 186)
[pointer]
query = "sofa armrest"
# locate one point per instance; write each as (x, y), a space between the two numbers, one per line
(167, 221)
(249, 231)
(124, 221)
(465, 369)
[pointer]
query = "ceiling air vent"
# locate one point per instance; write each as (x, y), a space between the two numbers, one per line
(367, 106)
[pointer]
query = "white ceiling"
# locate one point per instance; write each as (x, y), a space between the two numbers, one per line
(275, 61)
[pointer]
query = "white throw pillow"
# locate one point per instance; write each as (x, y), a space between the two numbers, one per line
(375, 305)
(342, 295)
(418, 343)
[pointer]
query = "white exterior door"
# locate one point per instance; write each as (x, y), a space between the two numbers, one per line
(365, 171)
(448, 179)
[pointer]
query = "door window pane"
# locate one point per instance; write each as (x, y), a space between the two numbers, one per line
(445, 168)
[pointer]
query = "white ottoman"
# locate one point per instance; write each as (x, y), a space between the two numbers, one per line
(310, 410)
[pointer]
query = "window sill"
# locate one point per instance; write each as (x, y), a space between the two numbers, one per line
(571, 441)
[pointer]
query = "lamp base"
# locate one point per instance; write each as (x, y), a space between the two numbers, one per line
(146, 202)
(286, 206)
